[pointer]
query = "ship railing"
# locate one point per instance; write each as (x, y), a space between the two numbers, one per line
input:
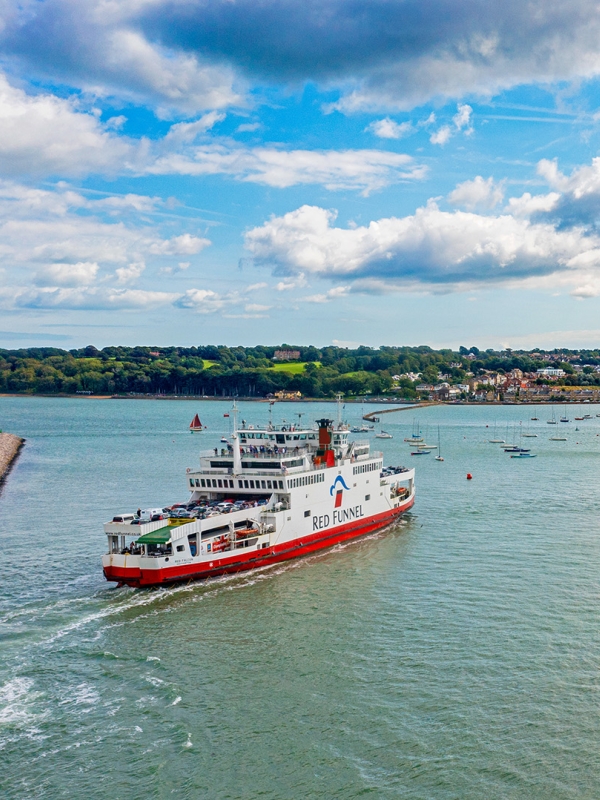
(269, 455)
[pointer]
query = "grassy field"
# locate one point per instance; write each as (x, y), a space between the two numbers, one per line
(293, 367)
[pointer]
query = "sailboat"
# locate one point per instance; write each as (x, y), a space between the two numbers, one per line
(564, 417)
(439, 455)
(494, 440)
(196, 425)
(553, 420)
(415, 436)
(535, 419)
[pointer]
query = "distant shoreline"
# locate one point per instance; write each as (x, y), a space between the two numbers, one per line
(402, 405)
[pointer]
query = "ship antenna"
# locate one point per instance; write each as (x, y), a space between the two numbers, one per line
(339, 410)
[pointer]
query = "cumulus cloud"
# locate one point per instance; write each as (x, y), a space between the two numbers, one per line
(388, 129)
(130, 273)
(477, 194)
(98, 47)
(430, 248)
(364, 170)
(45, 135)
(81, 274)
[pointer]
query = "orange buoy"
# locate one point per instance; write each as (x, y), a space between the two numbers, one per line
(469, 476)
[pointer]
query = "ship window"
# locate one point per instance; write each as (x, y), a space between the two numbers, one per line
(220, 483)
(280, 438)
(203, 483)
(252, 484)
(214, 483)
(263, 484)
(307, 513)
(269, 485)
(245, 484)
(281, 484)
(367, 497)
(191, 482)
(197, 482)
(180, 548)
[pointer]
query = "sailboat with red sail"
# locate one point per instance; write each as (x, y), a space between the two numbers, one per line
(196, 425)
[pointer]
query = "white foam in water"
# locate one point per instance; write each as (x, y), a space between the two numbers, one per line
(176, 701)
(17, 707)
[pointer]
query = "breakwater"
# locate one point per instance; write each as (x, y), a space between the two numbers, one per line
(10, 447)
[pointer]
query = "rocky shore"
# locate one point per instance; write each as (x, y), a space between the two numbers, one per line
(10, 447)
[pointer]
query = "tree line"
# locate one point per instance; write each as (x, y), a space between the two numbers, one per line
(251, 372)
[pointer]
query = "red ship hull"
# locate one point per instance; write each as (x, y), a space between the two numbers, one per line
(136, 577)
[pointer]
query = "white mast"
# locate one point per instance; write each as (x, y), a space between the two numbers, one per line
(237, 456)
(339, 410)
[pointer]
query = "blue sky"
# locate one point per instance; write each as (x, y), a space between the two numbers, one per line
(384, 172)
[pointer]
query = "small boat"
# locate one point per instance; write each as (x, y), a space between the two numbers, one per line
(427, 447)
(558, 438)
(524, 455)
(224, 439)
(421, 453)
(439, 456)
(355, 429)
(494, 440)
(196, 425)
(516, 450)
(383, 435)
(530, 436)
(553, 420)
(414, 439)
(579, 419)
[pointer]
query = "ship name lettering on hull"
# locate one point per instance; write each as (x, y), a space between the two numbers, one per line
(339, 516)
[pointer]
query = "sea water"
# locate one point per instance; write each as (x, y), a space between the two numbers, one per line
(453, 655)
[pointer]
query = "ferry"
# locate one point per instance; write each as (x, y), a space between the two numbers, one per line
(273, 494)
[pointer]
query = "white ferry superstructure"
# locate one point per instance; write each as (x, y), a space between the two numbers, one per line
(272, 494)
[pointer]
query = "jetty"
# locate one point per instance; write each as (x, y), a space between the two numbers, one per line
(412, 407)
(10, 447)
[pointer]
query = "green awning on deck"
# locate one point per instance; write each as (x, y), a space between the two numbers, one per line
(161, 536)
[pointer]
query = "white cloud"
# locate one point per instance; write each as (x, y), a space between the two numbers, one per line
(248, 127)
(477, 194)
(130, 273)
(81, 274)
(44, 135)
(462, 122)
(184, 245)
(431, 248)
(326, 297)
(388, 129)
(364, 170)
(98, 47)
(298, 282)
(93, 298)
(202, 301)
(188, 132)
(527, 205)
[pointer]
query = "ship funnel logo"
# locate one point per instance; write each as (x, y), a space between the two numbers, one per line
(337, 490)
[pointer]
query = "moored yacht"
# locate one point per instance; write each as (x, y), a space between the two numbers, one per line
(272, 494)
